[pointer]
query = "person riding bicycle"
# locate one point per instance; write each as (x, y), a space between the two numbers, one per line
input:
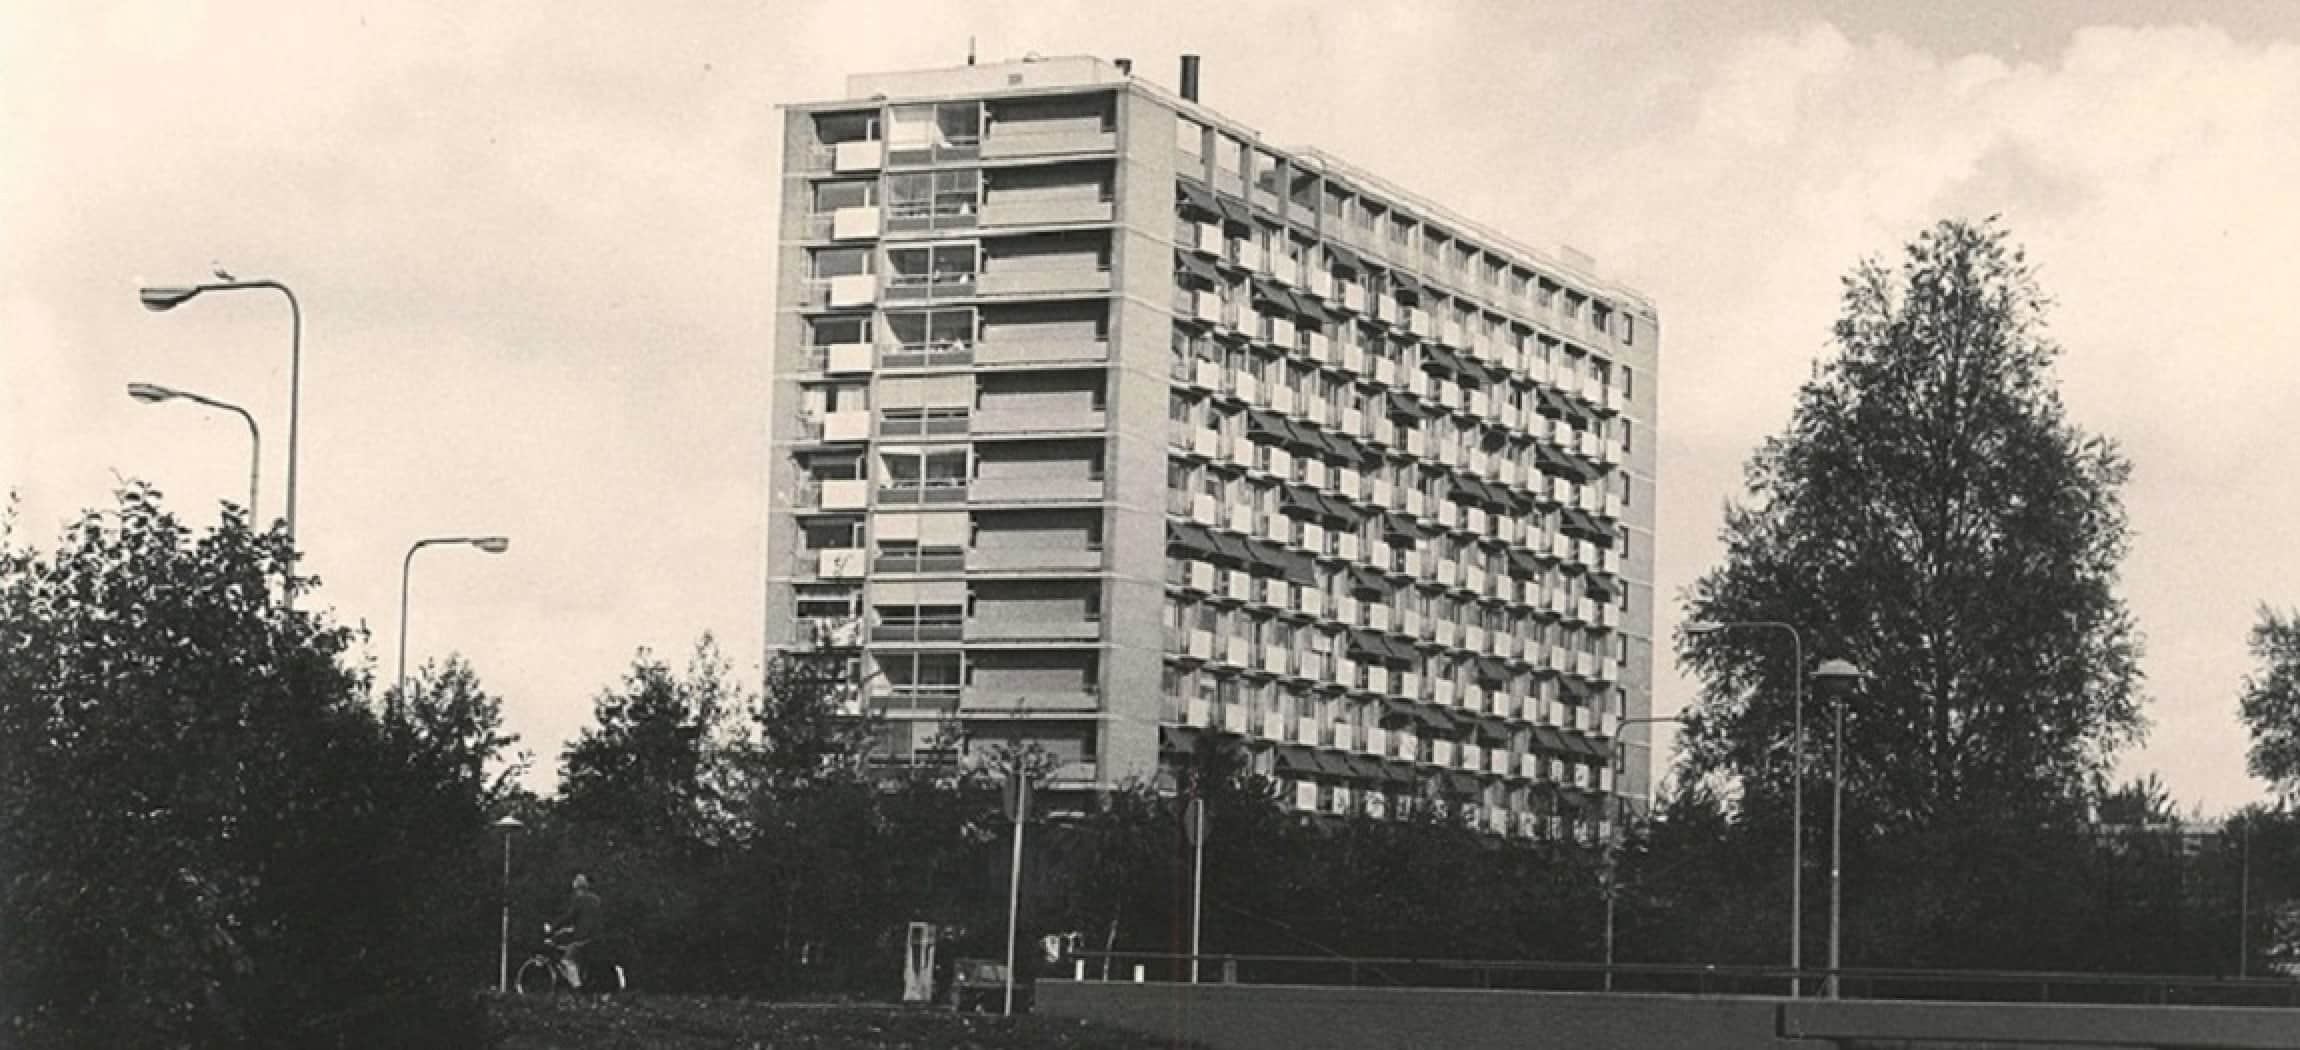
(581, 925)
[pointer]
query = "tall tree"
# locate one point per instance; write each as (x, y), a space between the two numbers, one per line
(2271, 702)
(1930, 514)
(646, 770)
(207, 837)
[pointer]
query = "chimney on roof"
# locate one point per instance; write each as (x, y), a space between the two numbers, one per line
(1125, 67)
(1190, 78)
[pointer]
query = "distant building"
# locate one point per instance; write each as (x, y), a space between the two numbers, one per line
(1100, 423)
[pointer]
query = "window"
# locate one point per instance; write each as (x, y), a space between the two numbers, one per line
(1229, 156)
(831, 196)
(840, 262)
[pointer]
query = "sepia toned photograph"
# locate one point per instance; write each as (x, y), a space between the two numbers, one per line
(872, 524)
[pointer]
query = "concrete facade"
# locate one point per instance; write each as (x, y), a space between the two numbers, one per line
(1102, 424)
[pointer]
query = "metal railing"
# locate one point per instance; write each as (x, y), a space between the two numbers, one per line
(2007, 986)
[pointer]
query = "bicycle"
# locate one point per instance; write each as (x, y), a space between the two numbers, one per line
(545, 971)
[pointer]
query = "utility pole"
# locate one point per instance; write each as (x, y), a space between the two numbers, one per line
(1018, 809)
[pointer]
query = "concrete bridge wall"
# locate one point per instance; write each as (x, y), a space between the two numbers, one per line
(1267, 1017)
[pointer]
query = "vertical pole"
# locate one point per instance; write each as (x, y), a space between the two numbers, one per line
(1837, 845)
(295, 412)
(503, 965)
(2244, 908)
(406, 566)
(1797, 816)
(1609, 888)
(1197, 879)
(1014, 883)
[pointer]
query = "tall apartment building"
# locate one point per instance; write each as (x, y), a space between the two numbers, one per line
(1101, 423)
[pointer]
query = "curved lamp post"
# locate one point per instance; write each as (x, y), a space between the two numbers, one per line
(161, 299)
(507, 826)
(1797, 783)
(153, 393)
(490, 544)
(1613, 859)
(1843, 675)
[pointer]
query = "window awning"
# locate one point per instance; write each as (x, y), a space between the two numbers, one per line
(1292, 758)
(1312, 310)
(1549, 461)
(1403, 283)
(1198, 267)
(1301, 502)
(1344, 259)
(1401, 406)
(1396, 711)
(1457, 782)
(1398, 773)
(1522, 565)
(1368, 646)
(1365, 581)
(1436, 719)
(1397, 528)
(1575, 691)
(1264, 423)
(1191, 537)
(1554, 405)
(1296, 567)
(1266, 292)
(1333, 764)
(1177, 738)
(1197, 198)
(1578, 523)
(1550, 739)
(1490, 669)
(1434, 355)
(1233, 210)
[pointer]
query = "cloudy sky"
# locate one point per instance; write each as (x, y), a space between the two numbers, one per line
(534, 244)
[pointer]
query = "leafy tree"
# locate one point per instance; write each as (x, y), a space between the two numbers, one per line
(456, 726)
(206, 835)
(1931, 515)
(2271, 702)
(646, 771)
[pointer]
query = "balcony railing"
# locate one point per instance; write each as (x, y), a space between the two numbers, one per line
(920, 561)
(1017, 351)
(922, 423)
(926, 355)
(926, 490)
(917, 287)
(1013, 140)
(935, 148)
(1037, 278)
(1024, 489)
(1037, 420)
(926, 698)
(938, 630)
(834, 494)
(1034, 559)
(917, 216)
(1011, 212)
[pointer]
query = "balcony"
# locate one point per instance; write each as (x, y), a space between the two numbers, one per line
(855, 224)
(1025, 350)
(946, 354)
(988, 629)
(1041, 420)
(857, 156)
(851, 425)
(997, 212)
(929, 287)
(841, 292)
(1043, 278)
(917, 631)
(837, 494)
(924, 491)
(1014, 140)
(993, 698)
(1031, 490)
(839, 563)
(1033, 559)
(839, 357)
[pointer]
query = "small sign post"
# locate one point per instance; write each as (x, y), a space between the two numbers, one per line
(1194, 825)
(1017, 799)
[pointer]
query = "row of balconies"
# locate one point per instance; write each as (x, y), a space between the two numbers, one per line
(1383, 249)
(856, 494)
(1599, 498)
(1206, 509)
(1064, 277)
(1384, 307)
(1462, 449)
(860, 424)
(849, 563)
(1397, 745)
(999, 141)
(848, 358)
(1336, 668)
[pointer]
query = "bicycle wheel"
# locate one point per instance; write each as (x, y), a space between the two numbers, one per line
(536, 977)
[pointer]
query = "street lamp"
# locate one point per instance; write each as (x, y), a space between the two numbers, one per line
(490, 544)
(1613, 860)
(1797, 784)
(163, 298)
(1843, 675)
(153, 393)
(507, 826)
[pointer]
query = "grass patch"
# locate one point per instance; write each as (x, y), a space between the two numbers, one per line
(651, 1022)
